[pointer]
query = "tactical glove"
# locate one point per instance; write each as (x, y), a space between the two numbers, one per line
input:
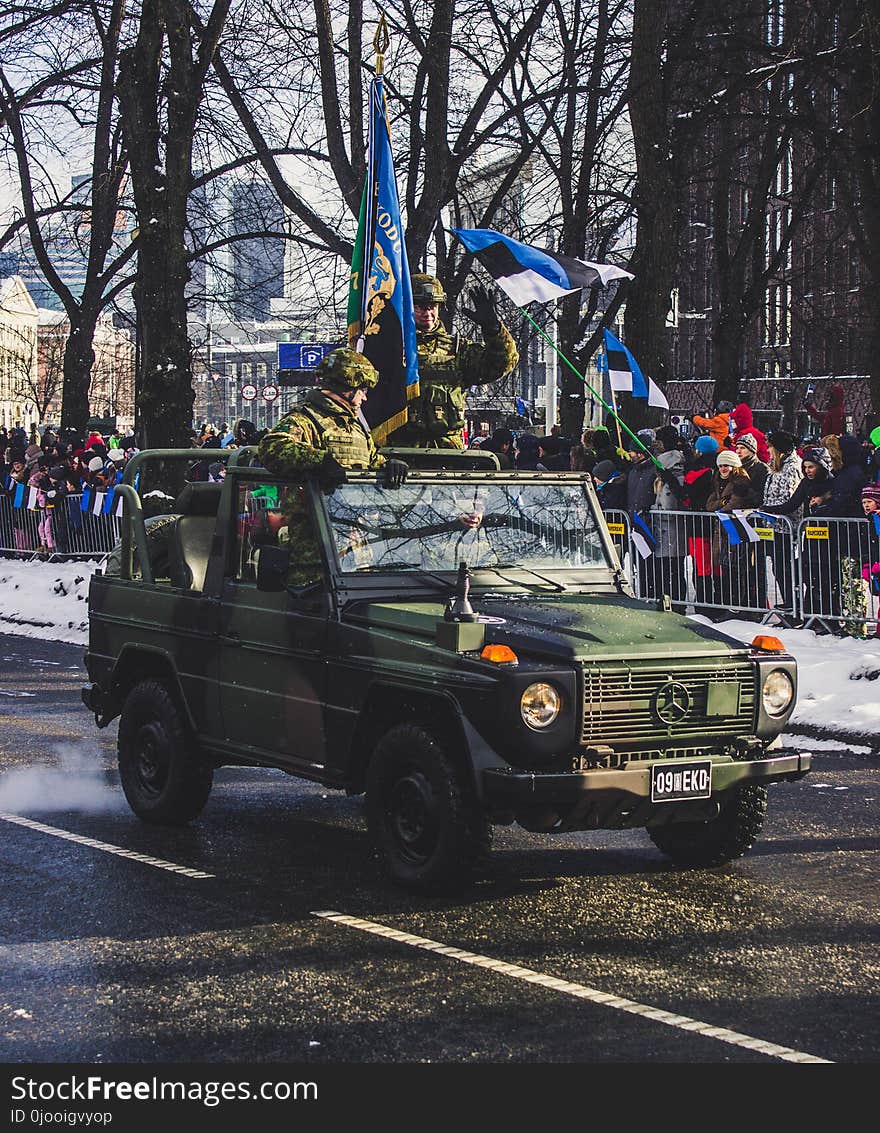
(482, 311)
(330, 473)
(394, 473)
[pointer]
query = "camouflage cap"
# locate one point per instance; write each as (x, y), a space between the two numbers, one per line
(346, 369)
(427, 289)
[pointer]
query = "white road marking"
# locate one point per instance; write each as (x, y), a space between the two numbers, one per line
(94, 844)
(578, 991)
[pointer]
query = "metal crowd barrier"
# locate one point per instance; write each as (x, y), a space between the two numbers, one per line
(836, 558)
(822, 571)
(69, 530)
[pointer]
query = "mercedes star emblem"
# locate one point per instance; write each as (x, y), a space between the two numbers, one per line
(672, 703)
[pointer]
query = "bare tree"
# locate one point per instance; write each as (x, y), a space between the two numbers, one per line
(77, 85)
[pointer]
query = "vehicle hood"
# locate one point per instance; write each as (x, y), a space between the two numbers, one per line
(576, 627)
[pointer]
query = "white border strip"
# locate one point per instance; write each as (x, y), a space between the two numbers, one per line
(579, 991)
(93, 844)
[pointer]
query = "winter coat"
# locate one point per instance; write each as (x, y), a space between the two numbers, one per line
(669, 531)
(732, 494)
(847, 484)
(781, 486)
(758, 474)
(807, 488)
(717, 426)
(741, 416)
(640, 486)
(831, 422)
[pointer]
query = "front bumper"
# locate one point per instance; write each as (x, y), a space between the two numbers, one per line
(618, 798)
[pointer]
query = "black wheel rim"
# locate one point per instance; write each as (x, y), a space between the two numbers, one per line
(412, 817)
(151, 759)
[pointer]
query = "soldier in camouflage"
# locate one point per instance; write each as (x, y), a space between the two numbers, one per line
(449, 366)
(324, 436)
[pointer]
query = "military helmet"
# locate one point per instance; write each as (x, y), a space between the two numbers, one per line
(345, 369)
(427, 289)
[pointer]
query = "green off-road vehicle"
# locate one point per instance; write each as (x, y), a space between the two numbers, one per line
(339, 636)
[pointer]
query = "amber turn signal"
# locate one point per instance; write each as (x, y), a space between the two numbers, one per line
(767, 644)
(500, 654)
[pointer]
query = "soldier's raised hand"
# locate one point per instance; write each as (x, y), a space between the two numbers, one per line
(482, 310)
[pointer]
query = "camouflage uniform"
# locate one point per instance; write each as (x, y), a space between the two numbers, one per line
(448, 367)
(323, 426)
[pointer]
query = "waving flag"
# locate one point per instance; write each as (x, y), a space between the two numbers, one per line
(737, 528)
(625, 375)
(533, 275)
(642, 537)
(381, 318)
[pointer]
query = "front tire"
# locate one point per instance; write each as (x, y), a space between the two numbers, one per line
(423, 813)
(162, 775)
(723, 839)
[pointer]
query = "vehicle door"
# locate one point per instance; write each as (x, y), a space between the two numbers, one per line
(272, 643)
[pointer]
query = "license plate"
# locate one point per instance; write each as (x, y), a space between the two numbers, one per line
(673, 782)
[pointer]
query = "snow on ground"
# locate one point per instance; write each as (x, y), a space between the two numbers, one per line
(839, 678)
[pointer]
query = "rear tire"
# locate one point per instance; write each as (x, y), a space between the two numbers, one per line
(423, 813)
(723, 839)
(163, 777)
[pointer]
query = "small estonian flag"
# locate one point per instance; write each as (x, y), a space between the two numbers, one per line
(108, 502)
(737, 528)
(625, 374)
(642, 537)
(534, 275)
(86, 499)
(18, 498)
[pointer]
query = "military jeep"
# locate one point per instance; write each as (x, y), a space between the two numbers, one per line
(464, 649)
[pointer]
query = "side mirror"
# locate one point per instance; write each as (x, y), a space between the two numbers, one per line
(273, 566)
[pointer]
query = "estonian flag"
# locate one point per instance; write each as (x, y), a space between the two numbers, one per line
(18, 498)
(381, 317)
(737, 528)
(625, 375)
(534, 275)
(642, 537)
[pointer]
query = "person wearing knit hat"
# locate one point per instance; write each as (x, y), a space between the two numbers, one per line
(95, 464)
(780, 440)
(728, 459)
(871, 499)
(647, 437)
(706, 445)
(747, 441)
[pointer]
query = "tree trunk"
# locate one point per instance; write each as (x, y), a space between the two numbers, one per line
(79, 357)
(657, 199)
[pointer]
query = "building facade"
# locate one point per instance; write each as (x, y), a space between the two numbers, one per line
(767, 230)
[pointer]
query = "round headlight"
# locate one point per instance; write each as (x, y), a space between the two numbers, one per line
(539, 705)
(777, 693)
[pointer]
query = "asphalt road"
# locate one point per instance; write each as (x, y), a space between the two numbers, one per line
(583, 949)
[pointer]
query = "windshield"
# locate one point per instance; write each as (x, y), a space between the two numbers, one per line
(437, 526)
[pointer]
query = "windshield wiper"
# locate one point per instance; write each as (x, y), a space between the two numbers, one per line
(439, 581)
(557, 586)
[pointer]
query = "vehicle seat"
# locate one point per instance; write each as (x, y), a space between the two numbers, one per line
(190, 543)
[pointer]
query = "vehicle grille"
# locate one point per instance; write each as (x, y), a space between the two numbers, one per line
(620, 704)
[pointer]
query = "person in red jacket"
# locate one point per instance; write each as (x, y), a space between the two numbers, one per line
(830, 418)
(741, 418)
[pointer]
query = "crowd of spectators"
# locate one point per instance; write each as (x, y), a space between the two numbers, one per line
(49, 481)
(672, 489)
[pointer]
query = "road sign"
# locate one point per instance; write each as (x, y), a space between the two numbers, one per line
(302, 355)
(270, 392)
(249, 391)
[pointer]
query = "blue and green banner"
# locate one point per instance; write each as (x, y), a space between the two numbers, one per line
(381, 320)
